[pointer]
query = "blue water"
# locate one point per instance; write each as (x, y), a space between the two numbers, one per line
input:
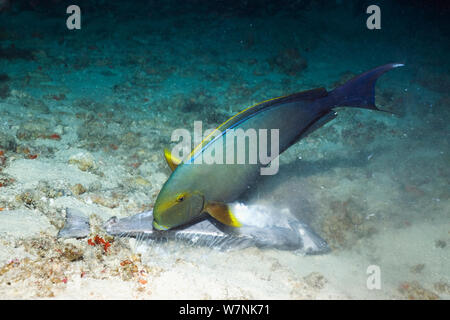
(115, 90)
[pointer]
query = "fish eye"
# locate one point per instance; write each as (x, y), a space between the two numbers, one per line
(180, 198)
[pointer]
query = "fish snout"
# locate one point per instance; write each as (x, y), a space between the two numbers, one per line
(159, 227)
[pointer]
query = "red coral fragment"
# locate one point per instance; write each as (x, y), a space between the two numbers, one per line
(99, 240)
(55, 137)
(106, 246)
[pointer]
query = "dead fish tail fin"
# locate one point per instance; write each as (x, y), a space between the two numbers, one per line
(359, 92)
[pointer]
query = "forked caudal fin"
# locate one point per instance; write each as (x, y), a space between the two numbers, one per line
(359, 92)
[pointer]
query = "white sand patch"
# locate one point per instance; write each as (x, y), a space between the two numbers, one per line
(24, 223)
(395, 251)
(9, 252)
(79, 288)
(86, 209)
(204, 274)
(30, 172)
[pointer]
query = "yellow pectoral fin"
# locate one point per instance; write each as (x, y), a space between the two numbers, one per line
(172, 161)
(221, 212)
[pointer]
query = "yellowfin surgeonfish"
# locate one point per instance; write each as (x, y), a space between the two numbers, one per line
(194, 189)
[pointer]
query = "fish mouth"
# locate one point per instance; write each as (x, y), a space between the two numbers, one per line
(159, 227)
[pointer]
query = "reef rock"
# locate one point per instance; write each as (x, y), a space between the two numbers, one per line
(7, 142)
(83, 160)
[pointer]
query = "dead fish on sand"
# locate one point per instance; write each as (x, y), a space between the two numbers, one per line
(268, 228)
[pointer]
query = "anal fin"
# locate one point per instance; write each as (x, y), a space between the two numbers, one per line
(319, 123)
(222, 213)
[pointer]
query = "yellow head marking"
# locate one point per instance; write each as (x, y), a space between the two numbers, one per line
(171, 202)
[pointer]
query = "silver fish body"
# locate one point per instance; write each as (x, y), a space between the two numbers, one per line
(285, 233)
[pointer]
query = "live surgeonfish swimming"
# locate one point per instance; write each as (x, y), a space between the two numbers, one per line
(197, 188)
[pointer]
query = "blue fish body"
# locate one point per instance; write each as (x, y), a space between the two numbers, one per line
(209, 187)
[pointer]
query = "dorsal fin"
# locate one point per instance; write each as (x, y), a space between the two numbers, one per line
(172, 161)
(241, 116)
(304, 95)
